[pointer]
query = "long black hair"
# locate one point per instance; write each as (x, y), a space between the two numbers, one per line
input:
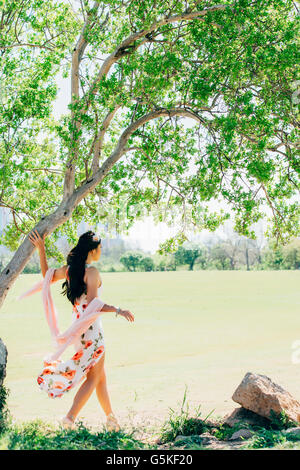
(75, 286)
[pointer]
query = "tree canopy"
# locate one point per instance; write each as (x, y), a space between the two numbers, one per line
(172, 104)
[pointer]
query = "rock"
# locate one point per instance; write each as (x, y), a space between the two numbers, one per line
(259, 394)
(157, 440)
(241, 434)
(247, 417)
(207, 439)
(292, 432)
(3, 360)
(181, 438)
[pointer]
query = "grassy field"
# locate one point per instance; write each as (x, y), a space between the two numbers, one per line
(197, 330)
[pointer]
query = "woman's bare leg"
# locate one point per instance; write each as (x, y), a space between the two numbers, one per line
(102, 394)
(86, 389)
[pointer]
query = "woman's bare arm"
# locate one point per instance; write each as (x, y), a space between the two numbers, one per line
(93, 280)
(39, 243)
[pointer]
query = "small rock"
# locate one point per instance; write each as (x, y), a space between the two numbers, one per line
(157, 441)
(292, 432)
(181, 438)
(259, 394)
(206, 434)
(241, 434)
(207, 439)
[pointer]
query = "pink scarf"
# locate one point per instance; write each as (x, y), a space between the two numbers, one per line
(78, 327)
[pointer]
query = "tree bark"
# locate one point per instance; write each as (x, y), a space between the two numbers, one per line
(247, 258)
(3, 361)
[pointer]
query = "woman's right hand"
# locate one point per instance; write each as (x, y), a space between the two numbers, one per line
(36, 239)
(127, 314)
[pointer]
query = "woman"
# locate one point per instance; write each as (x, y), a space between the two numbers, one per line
(82, 284)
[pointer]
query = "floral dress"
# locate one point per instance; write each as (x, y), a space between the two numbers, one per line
(59, 377)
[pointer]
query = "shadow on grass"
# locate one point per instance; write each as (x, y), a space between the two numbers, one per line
(37, 435)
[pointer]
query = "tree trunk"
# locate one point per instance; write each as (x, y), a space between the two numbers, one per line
(45, 226)
(247, 259)
(3, 360)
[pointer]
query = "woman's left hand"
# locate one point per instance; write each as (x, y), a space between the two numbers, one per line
(127, 314)
(36, 239)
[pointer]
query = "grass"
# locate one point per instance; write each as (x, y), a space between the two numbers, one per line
(181, 423)
(4, 412)
(38, 435)
(202, 329)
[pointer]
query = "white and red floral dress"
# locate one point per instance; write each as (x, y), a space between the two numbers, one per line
(58, 377)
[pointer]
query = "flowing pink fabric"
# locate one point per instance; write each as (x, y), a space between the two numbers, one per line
(78, 327)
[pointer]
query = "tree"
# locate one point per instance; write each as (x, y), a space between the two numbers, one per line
(282, 257)
(189, 254)
(219, 257)
(131, 260)
(273, 258)
(292, 255)
(251, 251)
(165, 262)
(147, 264)
(137, 70)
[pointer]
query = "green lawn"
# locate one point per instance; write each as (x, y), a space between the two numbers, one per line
(202, 330)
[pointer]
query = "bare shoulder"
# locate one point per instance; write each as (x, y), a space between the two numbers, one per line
(60, 273)
(92, 276)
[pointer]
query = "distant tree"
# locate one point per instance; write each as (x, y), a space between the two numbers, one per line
(147, 264)
(249, 251)
(233, 249)
(219, 258)
(282, 257)
(190, 254)
(273, 258)
(291, 254)
(131, 260)
(165, 262)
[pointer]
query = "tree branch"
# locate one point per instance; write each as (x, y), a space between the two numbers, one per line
(128, 45)
(78, 51)
(100, 174)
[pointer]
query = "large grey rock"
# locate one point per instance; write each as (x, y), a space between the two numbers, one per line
(3, 360)
(259, 394)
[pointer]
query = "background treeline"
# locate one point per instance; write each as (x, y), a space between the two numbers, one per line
(230, 255)
(235, 253)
